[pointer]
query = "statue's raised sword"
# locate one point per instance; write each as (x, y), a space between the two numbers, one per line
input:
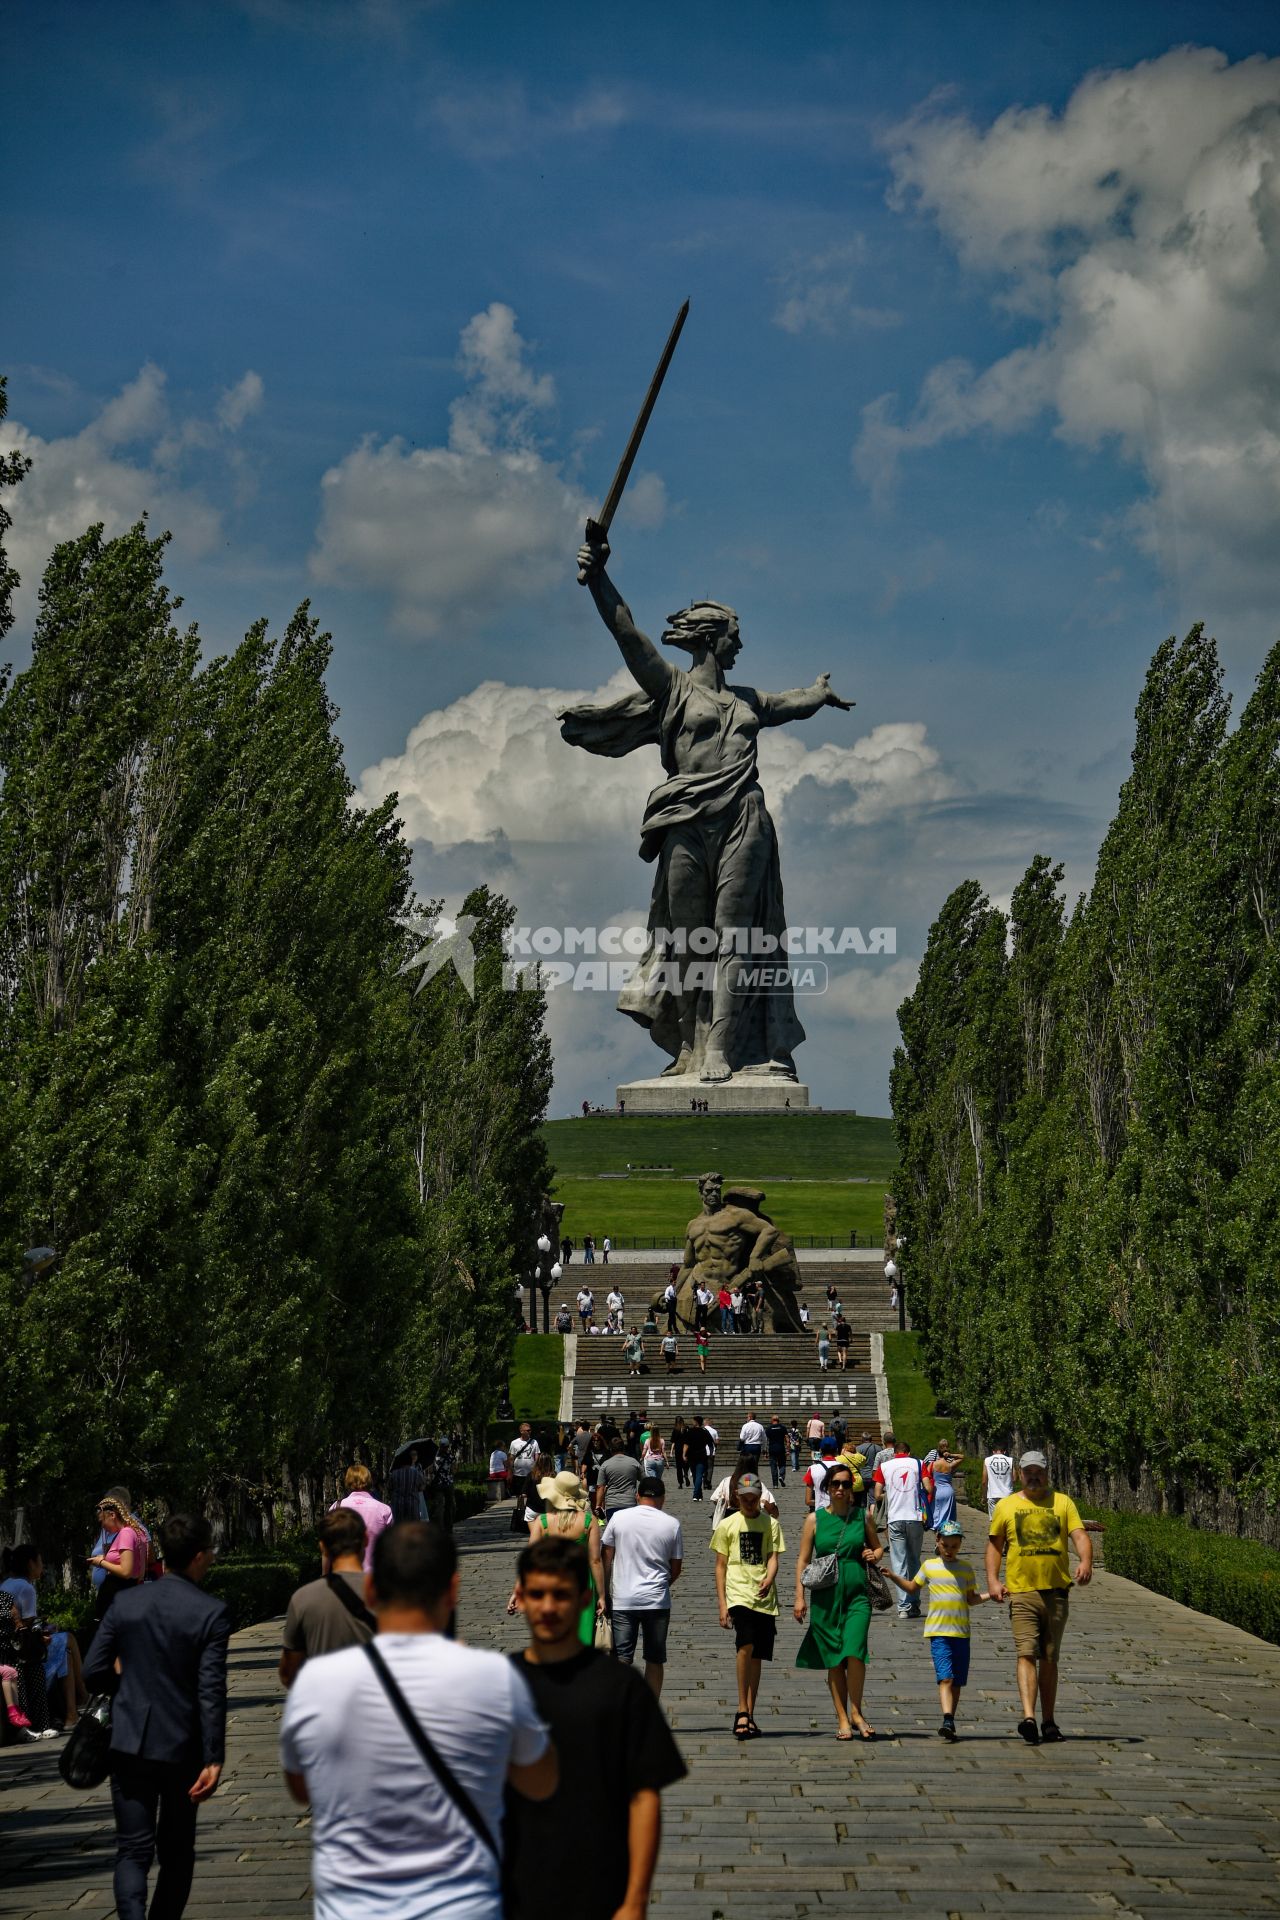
(598, 528)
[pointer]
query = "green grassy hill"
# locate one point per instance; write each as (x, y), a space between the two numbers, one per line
(823, 1174)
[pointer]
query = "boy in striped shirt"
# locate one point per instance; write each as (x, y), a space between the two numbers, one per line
(953, 1589)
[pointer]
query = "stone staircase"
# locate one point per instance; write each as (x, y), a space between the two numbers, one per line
(863, 1293)
(764, 1373)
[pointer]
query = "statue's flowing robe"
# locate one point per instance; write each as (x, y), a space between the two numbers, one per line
(720, 820)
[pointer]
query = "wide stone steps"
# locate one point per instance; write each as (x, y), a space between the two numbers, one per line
(764, 1374)
(863, 1294)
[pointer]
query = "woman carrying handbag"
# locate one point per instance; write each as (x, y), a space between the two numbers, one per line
(838, 1545)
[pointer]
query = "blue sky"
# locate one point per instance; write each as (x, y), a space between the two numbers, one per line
(977, 400)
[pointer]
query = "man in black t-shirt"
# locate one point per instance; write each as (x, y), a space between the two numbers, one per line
(616, 1755)
(697, 1452)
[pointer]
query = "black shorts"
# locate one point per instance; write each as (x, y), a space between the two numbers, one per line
(755, 1630)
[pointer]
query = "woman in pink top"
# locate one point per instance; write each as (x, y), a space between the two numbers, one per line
(377, 1517)
(120, 1552)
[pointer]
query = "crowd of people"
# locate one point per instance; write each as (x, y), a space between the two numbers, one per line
(567, 1736)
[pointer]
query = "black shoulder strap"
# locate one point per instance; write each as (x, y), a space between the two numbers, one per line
(434, 1758)
(353, 1604)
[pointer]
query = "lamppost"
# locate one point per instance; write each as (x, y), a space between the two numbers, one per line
(542, 1280)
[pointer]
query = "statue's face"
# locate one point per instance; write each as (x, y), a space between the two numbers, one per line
(728, 644)
(711, 1196)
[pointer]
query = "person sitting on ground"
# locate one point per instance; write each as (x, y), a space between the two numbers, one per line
(39, 1658)
(360, 1498)
(329, 1613)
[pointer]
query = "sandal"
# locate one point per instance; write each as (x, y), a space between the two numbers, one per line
(1051, 1732)
(844, 1733)
(753, 1731)
(742, 1726)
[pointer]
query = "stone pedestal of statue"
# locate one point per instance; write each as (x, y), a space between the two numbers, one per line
(747, 1092)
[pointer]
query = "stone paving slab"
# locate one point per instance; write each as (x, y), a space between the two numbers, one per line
(1162, 1801)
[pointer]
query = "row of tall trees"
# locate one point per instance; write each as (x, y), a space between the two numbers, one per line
(1088, 1109)
(289, 1198)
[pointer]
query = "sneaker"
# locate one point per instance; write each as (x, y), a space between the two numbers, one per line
(1051, 1732)
(947, 1731)
(1030, 1732)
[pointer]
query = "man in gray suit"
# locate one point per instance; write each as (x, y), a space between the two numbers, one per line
(168, 1719)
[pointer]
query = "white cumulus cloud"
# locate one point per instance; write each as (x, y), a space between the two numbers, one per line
(454, 533)
(493, 763)
(1137, 234)
(129, 460)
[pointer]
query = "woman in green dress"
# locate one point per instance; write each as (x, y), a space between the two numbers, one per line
(837, 1636)
(566, 1513)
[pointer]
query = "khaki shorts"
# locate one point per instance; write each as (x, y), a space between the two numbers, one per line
(1039, 1621)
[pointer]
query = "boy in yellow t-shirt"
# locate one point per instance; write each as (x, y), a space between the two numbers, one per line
(953, 1589)
(746, 1545)
(1033, 1528)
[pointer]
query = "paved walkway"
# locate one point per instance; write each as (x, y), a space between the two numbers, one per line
(1162, 1800)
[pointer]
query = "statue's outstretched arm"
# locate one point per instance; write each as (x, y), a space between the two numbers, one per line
(646, 664)
(800, 703)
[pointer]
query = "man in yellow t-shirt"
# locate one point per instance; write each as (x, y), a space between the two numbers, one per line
(746, 1545)
(1033, 1528)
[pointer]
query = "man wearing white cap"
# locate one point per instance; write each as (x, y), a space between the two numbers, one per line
(1033, 1527)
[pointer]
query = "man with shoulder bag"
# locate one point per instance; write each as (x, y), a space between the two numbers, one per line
(329, 1613)
(450, 1725)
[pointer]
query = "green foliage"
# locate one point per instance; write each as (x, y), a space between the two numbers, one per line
(537, 1365)
(1089, 1120)
(913, 1406)
(1234, 1580)
(255, 1589)
(290, 1198)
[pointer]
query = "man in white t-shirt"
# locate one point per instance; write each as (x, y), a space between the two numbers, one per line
(643, 1550)
(586, 1306)
(905, 1484)
(997, 1479)
(816, 1496)
(377, 1854)
(522, 1457)
(617, 1308)
(703, 1300)
(751, 1439)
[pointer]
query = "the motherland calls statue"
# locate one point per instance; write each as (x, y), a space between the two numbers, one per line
(733, 1240)
(716, 879)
